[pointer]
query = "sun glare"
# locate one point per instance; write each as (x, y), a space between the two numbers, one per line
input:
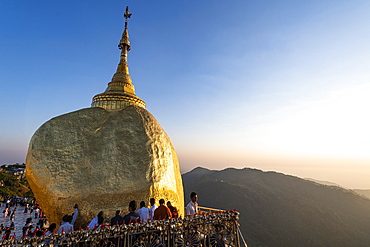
(337, 126)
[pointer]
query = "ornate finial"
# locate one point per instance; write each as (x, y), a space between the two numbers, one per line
(120, 92)
(124, 41)
(127, 15)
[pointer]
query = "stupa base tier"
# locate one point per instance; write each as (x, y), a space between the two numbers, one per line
(116, 102)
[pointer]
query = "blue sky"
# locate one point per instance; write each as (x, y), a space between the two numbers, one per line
(274, 85)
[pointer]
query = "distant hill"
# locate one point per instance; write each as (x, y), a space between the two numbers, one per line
(365, 193)
(323, 182)
(281, 210)
(195, 174)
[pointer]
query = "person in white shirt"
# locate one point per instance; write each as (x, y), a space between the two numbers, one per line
(143, 212)
(66, 227)
(96, 221)
(37, 212)
(152, 208)
(192, 207)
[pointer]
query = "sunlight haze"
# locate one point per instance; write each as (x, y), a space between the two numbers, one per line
(274, 85)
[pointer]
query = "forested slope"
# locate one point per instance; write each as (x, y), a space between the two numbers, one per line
(282, 210)
(11, 186)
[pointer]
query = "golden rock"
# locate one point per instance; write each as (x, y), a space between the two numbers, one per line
(105, 156)
(102, 160)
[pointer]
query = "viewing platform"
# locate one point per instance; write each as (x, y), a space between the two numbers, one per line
(212, 228)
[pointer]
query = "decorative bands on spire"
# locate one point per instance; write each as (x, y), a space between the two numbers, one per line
(120, 92)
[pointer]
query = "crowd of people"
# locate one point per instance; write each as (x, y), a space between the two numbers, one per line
(143, 214)
(10, 211)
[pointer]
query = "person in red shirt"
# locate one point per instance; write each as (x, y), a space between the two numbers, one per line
(162, 212)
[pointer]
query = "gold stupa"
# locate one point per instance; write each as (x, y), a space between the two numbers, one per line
(104, 156)
(120, 92)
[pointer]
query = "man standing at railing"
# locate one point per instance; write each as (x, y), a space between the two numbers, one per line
(152, 208)
(162, 212)
(117, 220)
(192, 207)
(131, 217)
(143, 212)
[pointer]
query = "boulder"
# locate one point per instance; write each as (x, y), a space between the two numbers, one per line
(102, 160)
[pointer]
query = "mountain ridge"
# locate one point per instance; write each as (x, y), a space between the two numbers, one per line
(283, 210)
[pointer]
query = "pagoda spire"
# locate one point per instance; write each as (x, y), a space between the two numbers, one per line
(120, 92)
(122, 73)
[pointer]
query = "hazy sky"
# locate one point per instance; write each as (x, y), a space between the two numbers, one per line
(273, 85)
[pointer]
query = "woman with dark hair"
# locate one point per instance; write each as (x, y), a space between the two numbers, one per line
(51, 229)
(100, 217)
(173, 210)
(96, 221)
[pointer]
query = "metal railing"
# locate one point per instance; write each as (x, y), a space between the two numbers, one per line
(208, 209)
(219, 228)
